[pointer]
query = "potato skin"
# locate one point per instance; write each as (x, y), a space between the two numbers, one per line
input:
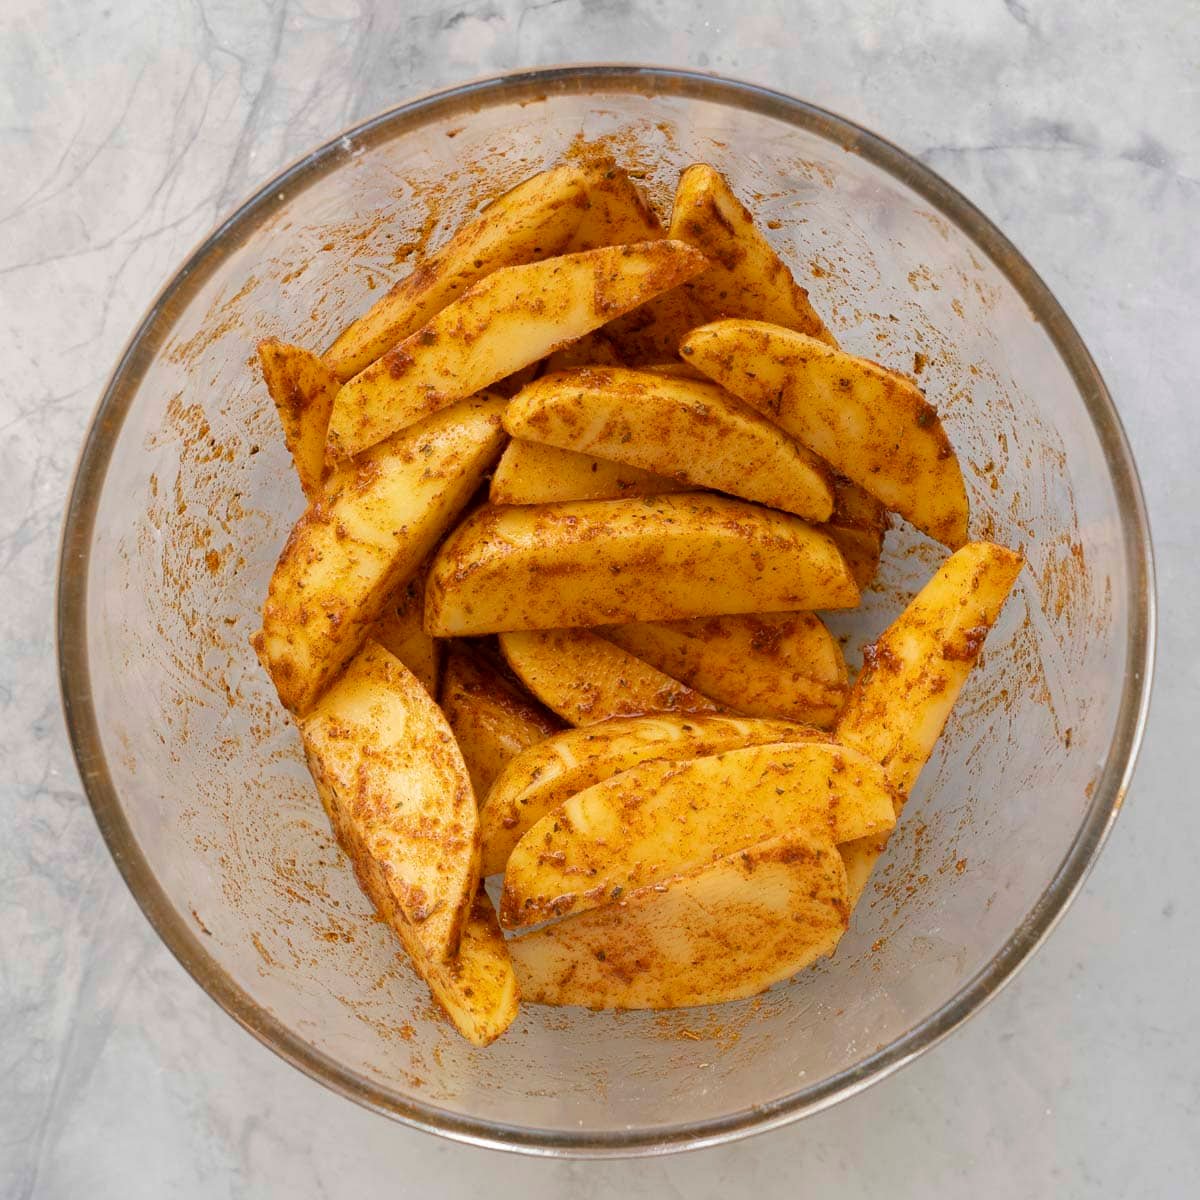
(603, 562)
(303, 390)
(362, 540)
(533, 473)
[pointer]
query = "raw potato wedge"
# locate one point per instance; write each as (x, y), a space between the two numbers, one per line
(399, 797)
(594, 349)
(534, 220)
(503, 323)
(686, 430)
(746, 277)
(531, 473)
(661, 819)
(303, 389)
(653, 332)
(761, 664)
(585, 679)
(605, 562)
(911, 677)
(617, 213)
(492, 721)
(543, 777)
(872, 425)
(858, 524)
(350, 552)
(401, 631)
(719, 932)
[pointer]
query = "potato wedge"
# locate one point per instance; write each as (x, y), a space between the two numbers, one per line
(691, 431)
(761, 664)
(532, 473)
(654, 331)
(534, 220)
(401, 631)
(491, 719)
(510, 319)
(858, 524)
(723, 931)
(660, 819)
(746, 277)
(872, 425)
(618, 212)
(594, 349)
(585, 679)
(912, 675)
(399, 797)
(543, 777)
(302, 388)
(350, 552)
(607, 562)
(674, 370)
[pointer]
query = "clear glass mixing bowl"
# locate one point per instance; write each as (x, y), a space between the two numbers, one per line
(184, 495)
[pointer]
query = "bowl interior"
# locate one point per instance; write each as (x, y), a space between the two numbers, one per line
(186, 495)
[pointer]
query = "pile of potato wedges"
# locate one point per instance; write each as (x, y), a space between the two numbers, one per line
(577, 489)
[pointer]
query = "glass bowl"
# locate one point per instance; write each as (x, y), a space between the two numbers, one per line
(184, 495)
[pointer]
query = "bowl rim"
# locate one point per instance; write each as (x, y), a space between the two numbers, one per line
(87, 486)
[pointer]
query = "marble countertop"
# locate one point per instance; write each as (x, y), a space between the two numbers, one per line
(129, 129)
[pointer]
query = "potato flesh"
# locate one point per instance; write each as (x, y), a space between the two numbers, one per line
(492, 721)
(534, 220)
(503, 323)
(659, 819)
(303, 390)
(533, 473)
(543, 777)
(398, 796)
(912, 676)
(599, 562)
(618, 212)
(746, 277)
(720, 932)
(350, 552)
(870, 424)
(586, 679)
(401, 631)
(761, 664)
(684, 429)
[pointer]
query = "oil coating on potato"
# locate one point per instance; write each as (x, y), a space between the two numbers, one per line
(659, 819)
(719, 932)
(913, 674)
(350, 552)
(503, 323)
(586, 679)
(872, 425)
(492, 720)
(543, 777)
(533, 473)
(760, 664)
(681, 428)
(302, 389)
(603, 562)
(746, 277)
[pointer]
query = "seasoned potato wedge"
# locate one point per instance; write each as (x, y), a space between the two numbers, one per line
(872, 425)
(594, 349)
(491, 719)
(858, 524)
(660, 819)
(598, 562)
(719, 932)
(543, 777)
(911, 677)
(674, 370)
(760, 664)
(654, 331)
(585, 679)
(401, 631)
(534, 220)
(350, 552)
(398, 796)
(745, 278)
(532, 473)
(691, 431)
(510, 319)
(302, 388)
(618, 212)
